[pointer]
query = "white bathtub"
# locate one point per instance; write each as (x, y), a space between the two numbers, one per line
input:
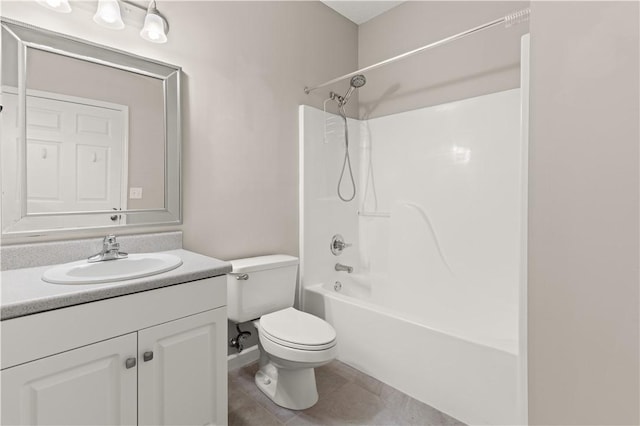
(469, 376)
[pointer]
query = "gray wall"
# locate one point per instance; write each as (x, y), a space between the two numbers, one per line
(483, 63)
(245, 83)
(583, 214)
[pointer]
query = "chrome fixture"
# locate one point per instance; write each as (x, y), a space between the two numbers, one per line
(337, 286)
(357, 81)
(110, 250)
(345, 268)
(239, 276)
(238, 341)
(508, 21)
(338, 244)
(110, 14)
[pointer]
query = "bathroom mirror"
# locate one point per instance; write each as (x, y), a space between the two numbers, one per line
(90, 135)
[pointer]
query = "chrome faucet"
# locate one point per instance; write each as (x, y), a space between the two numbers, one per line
(110, 250)
(341, 267)
(338, 244)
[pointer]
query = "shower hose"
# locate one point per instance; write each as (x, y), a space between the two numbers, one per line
(347, 160)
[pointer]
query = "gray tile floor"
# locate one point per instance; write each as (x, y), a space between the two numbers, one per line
(347, 397)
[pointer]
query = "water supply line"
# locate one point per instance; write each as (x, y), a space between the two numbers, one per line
(238, 341)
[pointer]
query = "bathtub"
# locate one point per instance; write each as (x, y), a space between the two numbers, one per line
(469, 376)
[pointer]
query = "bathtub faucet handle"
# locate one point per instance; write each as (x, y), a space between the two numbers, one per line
(338, 244)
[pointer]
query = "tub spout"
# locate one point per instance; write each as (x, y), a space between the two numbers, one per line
(341, 267)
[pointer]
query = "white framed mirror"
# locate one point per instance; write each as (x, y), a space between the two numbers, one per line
(91, 136)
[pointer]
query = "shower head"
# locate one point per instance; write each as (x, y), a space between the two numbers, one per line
(357, 81)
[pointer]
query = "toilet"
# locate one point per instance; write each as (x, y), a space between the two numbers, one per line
(291, 343)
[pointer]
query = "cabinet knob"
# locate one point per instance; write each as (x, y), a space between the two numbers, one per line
(147, 356)
(130, 362)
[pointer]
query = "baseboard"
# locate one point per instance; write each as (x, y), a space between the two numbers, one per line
(246, 357)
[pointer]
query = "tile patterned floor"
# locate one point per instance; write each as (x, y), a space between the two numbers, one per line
(347, 397)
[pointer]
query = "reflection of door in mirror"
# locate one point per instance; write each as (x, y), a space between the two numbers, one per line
(143, 95)
(74, 156)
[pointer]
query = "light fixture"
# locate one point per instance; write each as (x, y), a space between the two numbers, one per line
(108, 14)
(57, 5)
(155, 27)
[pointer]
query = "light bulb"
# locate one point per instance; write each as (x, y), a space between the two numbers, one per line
(57, 5)
(153, 29)
(108, 14)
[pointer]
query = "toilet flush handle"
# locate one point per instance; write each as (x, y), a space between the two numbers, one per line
(239, 276)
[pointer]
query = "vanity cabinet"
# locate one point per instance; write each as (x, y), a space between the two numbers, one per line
(84, 386)
(168, 367)
(177, 374)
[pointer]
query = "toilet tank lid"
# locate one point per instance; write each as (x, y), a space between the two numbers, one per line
(262, 263)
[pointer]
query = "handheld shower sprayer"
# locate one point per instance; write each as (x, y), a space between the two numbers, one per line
(356, 82)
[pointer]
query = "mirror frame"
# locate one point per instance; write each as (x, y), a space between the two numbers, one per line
(31, 37)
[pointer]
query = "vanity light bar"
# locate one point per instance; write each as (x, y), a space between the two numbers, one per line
(113, 14)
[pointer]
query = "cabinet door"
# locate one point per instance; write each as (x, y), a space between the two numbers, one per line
(186, 381)
(86, 386)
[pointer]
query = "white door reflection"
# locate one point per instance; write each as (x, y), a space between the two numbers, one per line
(75, 153)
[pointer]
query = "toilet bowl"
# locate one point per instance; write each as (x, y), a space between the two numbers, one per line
(291, 342)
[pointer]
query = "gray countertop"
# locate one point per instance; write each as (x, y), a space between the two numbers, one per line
(25, 293)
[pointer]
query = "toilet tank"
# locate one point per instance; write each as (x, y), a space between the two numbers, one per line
(260, 285)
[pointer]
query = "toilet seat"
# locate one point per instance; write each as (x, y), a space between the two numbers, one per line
(297, 330)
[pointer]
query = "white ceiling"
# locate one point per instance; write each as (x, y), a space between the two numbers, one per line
(362, 10)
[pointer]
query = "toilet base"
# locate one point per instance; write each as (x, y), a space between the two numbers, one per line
(293, 389)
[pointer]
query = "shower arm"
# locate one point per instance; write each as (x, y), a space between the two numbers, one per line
(508, 21)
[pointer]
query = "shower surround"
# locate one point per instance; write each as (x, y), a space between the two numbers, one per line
(432, 306)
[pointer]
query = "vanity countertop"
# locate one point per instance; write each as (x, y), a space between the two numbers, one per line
(25, 293)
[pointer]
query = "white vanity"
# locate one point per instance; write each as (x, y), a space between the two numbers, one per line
(148, 351)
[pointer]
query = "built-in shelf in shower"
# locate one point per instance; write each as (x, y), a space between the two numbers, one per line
(374, 214)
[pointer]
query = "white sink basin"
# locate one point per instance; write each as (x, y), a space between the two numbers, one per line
(134, 266)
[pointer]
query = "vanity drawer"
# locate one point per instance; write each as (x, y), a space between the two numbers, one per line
(36, 336)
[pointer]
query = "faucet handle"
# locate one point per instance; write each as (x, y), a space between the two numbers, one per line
(109, 243)
(111, 238)
(338, 244)
(110, 250)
